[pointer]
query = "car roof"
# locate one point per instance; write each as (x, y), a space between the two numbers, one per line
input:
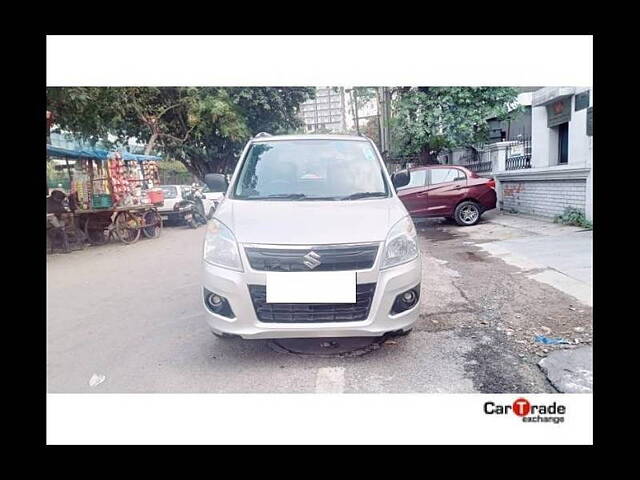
(313, 136)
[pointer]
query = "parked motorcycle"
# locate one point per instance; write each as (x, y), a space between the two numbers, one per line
(192, 210)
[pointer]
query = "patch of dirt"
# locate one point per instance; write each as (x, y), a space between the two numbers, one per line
(507, 310)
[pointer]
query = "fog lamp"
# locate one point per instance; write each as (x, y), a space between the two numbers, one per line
(217, 304)
(406, 300)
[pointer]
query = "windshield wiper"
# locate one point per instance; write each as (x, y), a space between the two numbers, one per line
(277, 196)
(355, 196)
(287, 195)
(320, 198)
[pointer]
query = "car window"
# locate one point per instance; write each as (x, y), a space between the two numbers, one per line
(308, 169)
(417, 178)
(186, 192)
(443, 175)
(169, 191)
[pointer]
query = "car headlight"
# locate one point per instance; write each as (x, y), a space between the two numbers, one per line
(401, 245)
(221, 247)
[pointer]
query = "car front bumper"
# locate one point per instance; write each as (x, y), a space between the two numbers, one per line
(234, 287)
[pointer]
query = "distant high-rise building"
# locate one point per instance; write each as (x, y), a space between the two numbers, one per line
(326, 112)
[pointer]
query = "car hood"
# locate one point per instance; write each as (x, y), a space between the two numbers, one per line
(310, 222)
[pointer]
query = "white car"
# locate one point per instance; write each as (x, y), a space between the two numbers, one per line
(310, 240)
(173, 195)
(214, 197)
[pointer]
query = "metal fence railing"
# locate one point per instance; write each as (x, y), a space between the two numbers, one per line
(518, 163)
(519, 154)
(394, 164)
(480, 167)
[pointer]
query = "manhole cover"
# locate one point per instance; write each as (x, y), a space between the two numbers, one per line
(345, 346)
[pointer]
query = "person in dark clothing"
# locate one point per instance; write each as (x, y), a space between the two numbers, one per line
(55, 203)
(55, 221)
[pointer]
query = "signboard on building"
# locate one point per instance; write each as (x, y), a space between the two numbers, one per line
(582, 101)
(558, 112)
(590, 121)
(516, 150)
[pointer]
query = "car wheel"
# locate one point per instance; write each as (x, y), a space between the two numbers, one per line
(467, 213)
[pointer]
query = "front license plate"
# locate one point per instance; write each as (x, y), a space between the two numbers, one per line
(164, 217)
(311, 287)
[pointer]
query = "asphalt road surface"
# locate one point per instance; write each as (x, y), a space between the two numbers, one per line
(129, 319)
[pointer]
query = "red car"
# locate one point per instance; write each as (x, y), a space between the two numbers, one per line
(445, 191)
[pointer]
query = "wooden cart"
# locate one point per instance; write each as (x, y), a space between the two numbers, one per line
(126, 224)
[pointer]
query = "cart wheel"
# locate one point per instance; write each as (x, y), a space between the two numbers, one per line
(96, 230)
(127, 227)
(153, 224)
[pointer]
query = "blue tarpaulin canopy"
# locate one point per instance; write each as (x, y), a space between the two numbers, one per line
(95, 154)
(139, 158)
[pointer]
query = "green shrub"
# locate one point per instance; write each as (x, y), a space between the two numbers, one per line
(174, 166)
(573, 216)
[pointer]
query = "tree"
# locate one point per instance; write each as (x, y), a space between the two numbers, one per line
(358, 98)
(427, 120)
(203, 127)
(372, 130)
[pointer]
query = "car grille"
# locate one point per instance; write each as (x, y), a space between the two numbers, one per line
(312, 312)
(328, 258)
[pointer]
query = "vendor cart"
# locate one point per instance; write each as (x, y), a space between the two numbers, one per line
(102, 212)
(126, 224)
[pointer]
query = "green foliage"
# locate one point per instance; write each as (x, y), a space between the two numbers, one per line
(365, 95)
(202, 127)
(573, 216)
(430, 119)
(173, 166)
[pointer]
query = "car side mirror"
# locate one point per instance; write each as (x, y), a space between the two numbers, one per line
(400, 179)
(216, 182)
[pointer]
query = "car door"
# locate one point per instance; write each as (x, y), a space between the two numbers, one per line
(446, 187)
(412, 194)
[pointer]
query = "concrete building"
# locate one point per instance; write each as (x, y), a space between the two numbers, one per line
(326, 112)
(333, 110)
(548, 172)
(559, 173)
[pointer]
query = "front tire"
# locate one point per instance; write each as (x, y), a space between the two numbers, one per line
(467, 213)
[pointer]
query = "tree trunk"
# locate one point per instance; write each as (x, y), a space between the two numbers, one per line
(423, 155)
(426, 157)
(151, 143)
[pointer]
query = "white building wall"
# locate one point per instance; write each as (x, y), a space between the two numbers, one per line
(579, 141)
(547, 188)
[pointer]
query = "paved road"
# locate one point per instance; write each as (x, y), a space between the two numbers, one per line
(132, 314)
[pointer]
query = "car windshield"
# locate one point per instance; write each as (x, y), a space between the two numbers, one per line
(311, 170)
(169, 191)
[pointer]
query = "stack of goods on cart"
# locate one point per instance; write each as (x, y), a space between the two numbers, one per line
(101, 197)
(119, 179)
(153, 194)
(80, 186)
(135, 177)
(151, 173)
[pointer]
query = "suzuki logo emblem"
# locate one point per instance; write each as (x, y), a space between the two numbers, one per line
(311, 260)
